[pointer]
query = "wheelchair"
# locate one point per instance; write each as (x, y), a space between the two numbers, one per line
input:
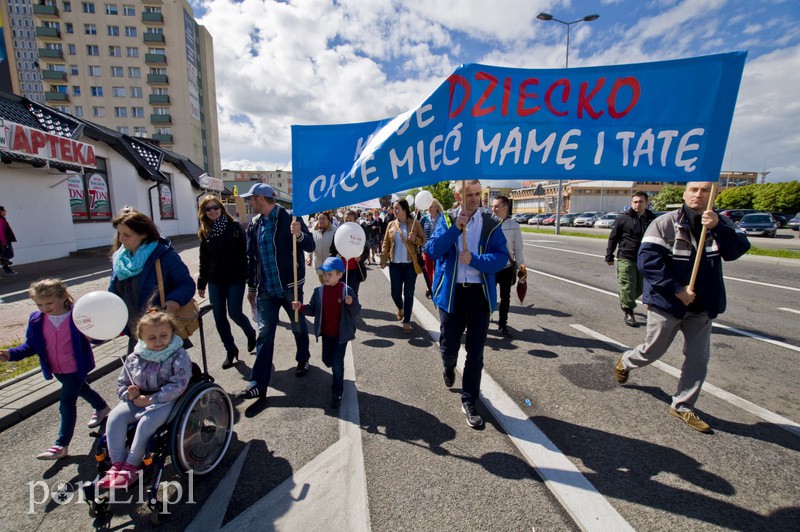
(194, 438)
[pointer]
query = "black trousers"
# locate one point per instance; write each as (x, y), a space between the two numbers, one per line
(504, 279)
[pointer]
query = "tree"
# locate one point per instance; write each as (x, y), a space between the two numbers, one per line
(778, 197)
(669, 195)
(737, 197)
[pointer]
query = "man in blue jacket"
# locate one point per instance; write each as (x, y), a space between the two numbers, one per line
(270, 279)
(666, 259)
(464, 287)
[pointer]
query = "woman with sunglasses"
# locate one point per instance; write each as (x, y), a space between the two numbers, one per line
(223, 269)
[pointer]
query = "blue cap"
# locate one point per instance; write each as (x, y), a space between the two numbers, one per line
(260, 189)
(331, 264)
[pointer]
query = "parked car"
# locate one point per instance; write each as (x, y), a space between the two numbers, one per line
(794, 223)
(568, 219)
(759, 224)
(736, 214)
(586, 219)
(522, 218)
(782, 219)
(536, 219)
(606, 221)
(550, 220)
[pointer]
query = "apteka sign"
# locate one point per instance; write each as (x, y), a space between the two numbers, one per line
(662, 121)
(16, 138)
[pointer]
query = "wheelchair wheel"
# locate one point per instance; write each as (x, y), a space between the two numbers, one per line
(202, 430)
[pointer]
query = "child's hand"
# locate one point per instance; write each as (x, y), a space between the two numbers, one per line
(142, 401)
(348, 300)
(296, 305)
(4, 356)
(133, 392)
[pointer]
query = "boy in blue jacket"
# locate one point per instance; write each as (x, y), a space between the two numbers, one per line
(334, 306)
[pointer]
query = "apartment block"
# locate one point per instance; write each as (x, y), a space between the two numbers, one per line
(140, 67)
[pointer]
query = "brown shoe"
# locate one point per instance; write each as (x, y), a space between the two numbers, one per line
(399, 314)
(620, 373)
(407, 328)
(691, 419)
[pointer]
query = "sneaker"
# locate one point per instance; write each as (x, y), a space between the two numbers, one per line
(54, 453)
(110, 475)
(253, 392)
(127, 475)
(630, 319)
(471, 413)
(428, 294)
(336, 401)
(620, 373)
(691, 419)
(97, 417)
(505, 332)
(9, 271)
(251, 344)
(449, 378)
(302, 369)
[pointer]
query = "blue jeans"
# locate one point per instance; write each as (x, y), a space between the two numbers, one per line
(230, 295)
(72, 387)
(403, 279)
(471, 312)
(333, 357)
(268, 308)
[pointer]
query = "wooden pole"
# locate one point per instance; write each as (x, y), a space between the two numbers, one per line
(294, 255)
(702, 243)
(464, 232)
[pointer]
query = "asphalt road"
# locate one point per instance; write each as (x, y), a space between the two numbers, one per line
(564, 448)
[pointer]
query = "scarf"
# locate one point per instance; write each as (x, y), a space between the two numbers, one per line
(127, 265)
(219, 227)
(158, 356)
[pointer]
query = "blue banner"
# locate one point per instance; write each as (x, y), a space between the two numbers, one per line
(662, 121)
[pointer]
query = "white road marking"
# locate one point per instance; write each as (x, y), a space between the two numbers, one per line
(566, 250)
(789, 310)
(735, 400)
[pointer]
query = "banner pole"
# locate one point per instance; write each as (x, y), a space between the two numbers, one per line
(464, 232)
(701, 244)
(294, 255)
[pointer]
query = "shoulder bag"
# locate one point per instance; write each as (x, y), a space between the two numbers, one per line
(186, 317)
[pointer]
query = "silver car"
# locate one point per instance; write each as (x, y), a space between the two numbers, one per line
(586, 219)
(606, 221)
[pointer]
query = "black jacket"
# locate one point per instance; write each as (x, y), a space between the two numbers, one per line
(627, 233)
(224, 258)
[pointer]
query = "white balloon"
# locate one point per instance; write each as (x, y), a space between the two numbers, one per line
(349, 240)
(100, 315)
(410, 200)
(424, 200)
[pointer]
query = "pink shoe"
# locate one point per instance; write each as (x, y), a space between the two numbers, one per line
(97, 417)
(110, 475)
(126, 477)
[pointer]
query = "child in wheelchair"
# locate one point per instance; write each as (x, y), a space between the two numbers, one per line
(153, 377)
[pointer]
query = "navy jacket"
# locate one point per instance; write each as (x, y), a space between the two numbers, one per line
(347, 325)
(627, 233)
(35, 345)
(282, 240)
(666, 259)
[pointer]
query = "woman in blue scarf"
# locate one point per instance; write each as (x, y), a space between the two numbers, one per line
(137, 245)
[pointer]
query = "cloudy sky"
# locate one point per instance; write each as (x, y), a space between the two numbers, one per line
(280, 63)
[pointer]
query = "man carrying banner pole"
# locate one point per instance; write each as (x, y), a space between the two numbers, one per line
(669, 249)
(470, 248)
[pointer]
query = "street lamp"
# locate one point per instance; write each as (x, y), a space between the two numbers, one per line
(548, 17)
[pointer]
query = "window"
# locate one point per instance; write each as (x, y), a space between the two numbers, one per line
(111, 9)
(134, 72)
(115, 51)
(62, 108)
(73, 69)
(71, 49)
(79, 111)
(160, 91)
(128, 10)
(121, 112)
(88, 194)
(95, 71)
(158, 51)
(113, 31)
(98, 111)
(132, 51)
(92, 49)
(136, 92)
(68, 7)
(97, 91)
(164, 111)
(122, 129)
(130, 31)
(87, 7)
(137, 112)
(140, 132)
(117, 72)
(69, 27)
(90, 29)
(76, 90)
(118, 92)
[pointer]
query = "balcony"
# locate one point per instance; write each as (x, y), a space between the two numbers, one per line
(152, 18)
(56, 96)
(45, 11)
(51, 53)
(48, 33)
(160, 119)
(58, 75)
(158, 79)
(153, 38)
(164, 139)
(155, 59)
(159, 99)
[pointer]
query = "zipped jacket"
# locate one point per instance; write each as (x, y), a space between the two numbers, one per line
(491, 257)
(627, 233)
(666, 258)
(347, 324)
(223, 259)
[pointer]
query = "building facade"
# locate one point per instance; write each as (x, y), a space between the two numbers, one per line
(143, 68)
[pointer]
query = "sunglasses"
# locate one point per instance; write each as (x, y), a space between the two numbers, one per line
(212, 208)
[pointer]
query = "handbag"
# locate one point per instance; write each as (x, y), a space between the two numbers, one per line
(186, 317)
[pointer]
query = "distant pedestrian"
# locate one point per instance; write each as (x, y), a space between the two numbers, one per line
(508, 275)
(64, 352)
(372, 227)
(464, 287)
(6, 243)
(626, 237)
(666, 259)
(428, 225)
(334, 306)
(323, 239)
(223, 269)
